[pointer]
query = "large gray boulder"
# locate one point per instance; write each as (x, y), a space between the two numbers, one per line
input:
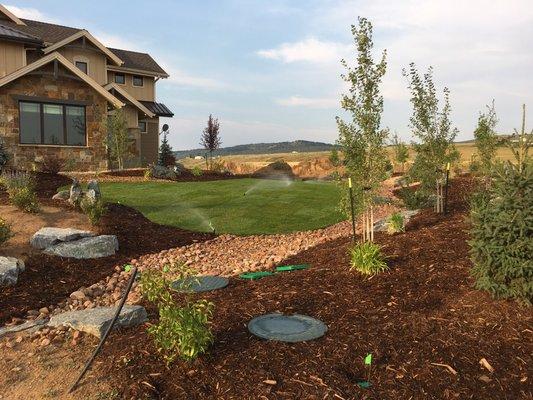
(93, 185)
(50, 236)
(382, 225)
(28, 326)
(75, 192)
(96, 320)
(61, 195)
(10, 268)
(160, 172)
(86, 248)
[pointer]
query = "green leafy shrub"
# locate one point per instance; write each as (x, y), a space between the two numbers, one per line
(196, 171)
(367, 258)
(24, 199)
(20, 188)
(183, 330)
(94, 210)
(395, 224)
(52, 165)
(414, 199)
(5, 231)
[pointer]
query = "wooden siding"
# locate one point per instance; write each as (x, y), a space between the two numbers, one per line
(150, 142)
(132, 116)
(12, 57)
(95, 59)
(146, 93)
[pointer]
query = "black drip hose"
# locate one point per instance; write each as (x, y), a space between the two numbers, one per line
(108, 330)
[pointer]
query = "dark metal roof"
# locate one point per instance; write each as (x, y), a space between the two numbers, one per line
(9, 33)
(158, 109)
(135, 60)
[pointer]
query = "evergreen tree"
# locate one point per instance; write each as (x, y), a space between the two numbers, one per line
(166, 155)
(362, 139)
(433, 127)
(486, 139)
(502, 226)
(211, 136)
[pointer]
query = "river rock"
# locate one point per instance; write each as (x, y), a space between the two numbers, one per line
(86, 248)
(28, 326)
(161, 172)
(50, 236)
(96, 320)
(10, 268)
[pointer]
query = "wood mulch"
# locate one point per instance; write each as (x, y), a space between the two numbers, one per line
(48, 280)
(426, 326)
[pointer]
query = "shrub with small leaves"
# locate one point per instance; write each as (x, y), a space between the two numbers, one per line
(20, 188)
(367, 258)
(183, 330)
(52, 165)
(5, 231)
(395, 224)
(94, 209)
(148, 174)
(196, 171)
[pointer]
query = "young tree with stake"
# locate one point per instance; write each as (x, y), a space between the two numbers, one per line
(401, 151)
(118, 138)
(211, 137)
(486, 139)
(363, 139)
(433, 127)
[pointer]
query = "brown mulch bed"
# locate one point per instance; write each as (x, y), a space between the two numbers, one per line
(48, 280)
(415, 319)
(137, 175)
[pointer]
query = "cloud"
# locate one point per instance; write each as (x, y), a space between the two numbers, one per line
(30, 13)
(308, 50)
(310, 102)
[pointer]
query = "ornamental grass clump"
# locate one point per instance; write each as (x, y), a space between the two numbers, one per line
(5, 231)
(20, 188)
(395, 224)
(366, 257)
(501, 216)
(183, 329)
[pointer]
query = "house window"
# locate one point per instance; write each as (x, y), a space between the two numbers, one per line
(82, 66)
(142, 126)
(137, 80)
(120, 79)
(52, 124)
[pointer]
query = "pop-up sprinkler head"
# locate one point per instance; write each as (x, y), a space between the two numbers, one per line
(212, 228)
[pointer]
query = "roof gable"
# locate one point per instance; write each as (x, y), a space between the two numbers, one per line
(84, 34)
(130, 98)
(8, 15)
(68, 65)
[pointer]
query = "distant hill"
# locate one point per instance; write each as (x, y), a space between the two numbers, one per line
(300, 146)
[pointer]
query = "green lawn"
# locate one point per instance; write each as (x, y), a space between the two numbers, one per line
(270, 206)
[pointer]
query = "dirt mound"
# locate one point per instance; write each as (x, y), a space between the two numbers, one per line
(275, 170)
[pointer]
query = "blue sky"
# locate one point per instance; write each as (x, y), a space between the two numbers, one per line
(269, 70)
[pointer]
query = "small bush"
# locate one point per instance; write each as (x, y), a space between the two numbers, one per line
(148, 174)
(414, 199)
(367, 258)
(20, 188)
(196, 171)
(395, 224)
(182, 331)
(5, 231)
(94, 210)
(52, 165)
(3, 155)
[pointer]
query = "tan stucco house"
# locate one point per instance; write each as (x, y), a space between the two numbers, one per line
(57, 86)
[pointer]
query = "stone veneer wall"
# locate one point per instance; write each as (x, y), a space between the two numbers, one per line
(90, 158)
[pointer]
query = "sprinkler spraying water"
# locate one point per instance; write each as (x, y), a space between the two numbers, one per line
(212, 227)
